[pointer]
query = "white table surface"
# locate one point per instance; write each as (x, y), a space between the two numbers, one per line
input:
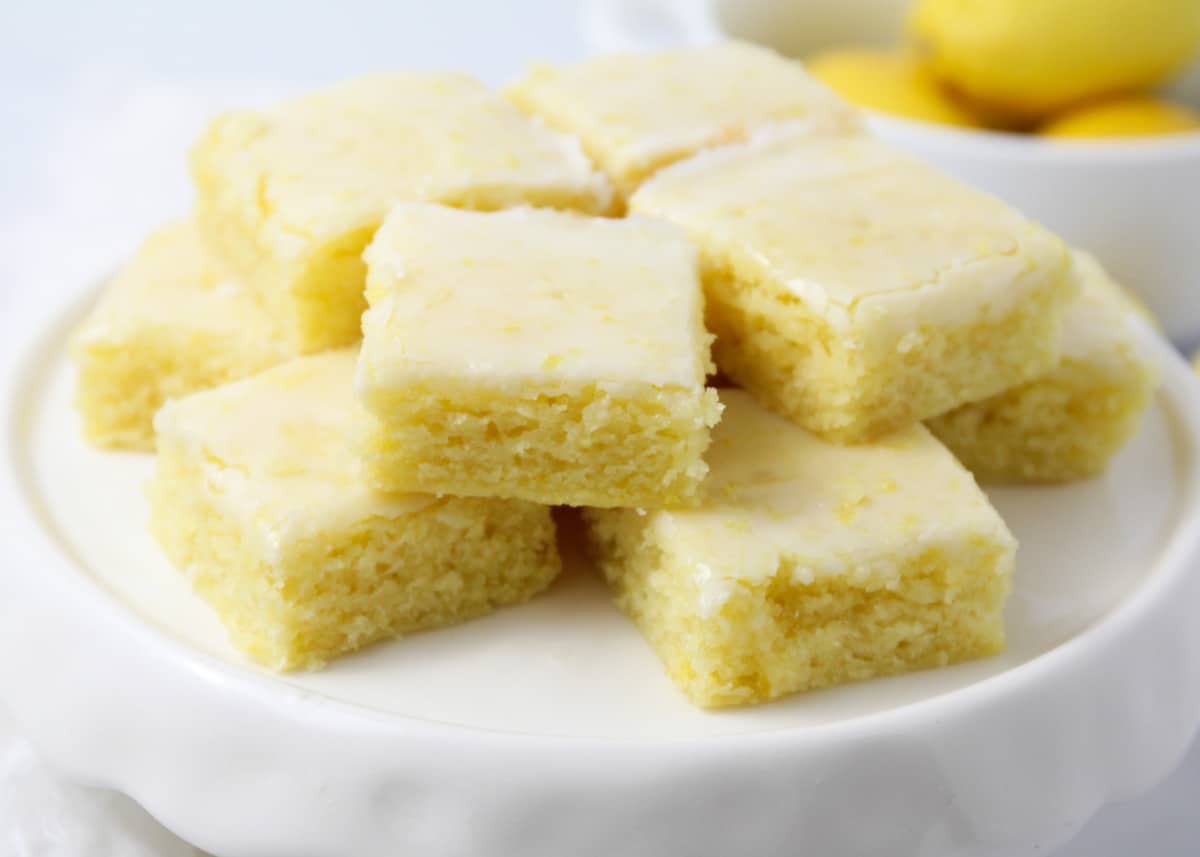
(97, 105)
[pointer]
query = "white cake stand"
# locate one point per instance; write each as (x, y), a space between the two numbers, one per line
(550, 729)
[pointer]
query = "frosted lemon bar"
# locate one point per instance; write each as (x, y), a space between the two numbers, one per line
(171, 322)
(636, 113)
(810, 564)
(1068, 423)
(535, 354)
(291, 196)
(855, 289)
(257, 497)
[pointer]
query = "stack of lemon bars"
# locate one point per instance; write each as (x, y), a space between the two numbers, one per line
(767, 355)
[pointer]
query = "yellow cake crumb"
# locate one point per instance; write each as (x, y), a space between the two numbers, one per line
(809, 564)
(171, 322)
(291, 196)
(1070, 422)
(535, 354)
(637, 113)
(854, 289)
(257, 497)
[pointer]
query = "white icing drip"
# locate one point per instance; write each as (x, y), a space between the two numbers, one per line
(712, 591)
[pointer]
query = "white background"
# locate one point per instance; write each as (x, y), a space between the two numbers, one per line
(97, 104)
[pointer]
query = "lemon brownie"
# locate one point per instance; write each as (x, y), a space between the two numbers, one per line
(535, 354)
(291, 196)
(854, 289)
(171, 322)
(638, 112)
(258, 498)
(810, 564)
(1068, 423)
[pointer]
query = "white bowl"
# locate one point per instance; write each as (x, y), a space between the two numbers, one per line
(1135, 204)
(550, 729)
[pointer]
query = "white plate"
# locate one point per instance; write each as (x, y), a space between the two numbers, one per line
(550, 729)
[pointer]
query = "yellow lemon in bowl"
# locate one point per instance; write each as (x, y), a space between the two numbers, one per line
(891, 82)
(1028, 59)
(1135, 116)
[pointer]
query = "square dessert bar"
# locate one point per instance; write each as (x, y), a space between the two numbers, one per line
(291, 196)
(258, 498)
(1070, 422)
(855, 289)
(171, 322)
(637, 113)
(535, 354)
(810, 564)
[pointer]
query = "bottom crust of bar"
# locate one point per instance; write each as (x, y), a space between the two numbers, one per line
(121, 385)
(761, 640)
(795, 364)
(342, 588)
(1062, 427)
(579, 447)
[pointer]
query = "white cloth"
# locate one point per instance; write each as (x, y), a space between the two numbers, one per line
(44, 815)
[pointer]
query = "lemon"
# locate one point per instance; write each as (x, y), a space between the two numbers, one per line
(1135, 116)
(1028, 59)
(890, 82)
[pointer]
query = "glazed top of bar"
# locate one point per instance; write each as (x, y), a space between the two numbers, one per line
(637, 111)
(531, 296)
(175, 282)
(851, 226)
(338, 158)
(274, 449)
(777, 494)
